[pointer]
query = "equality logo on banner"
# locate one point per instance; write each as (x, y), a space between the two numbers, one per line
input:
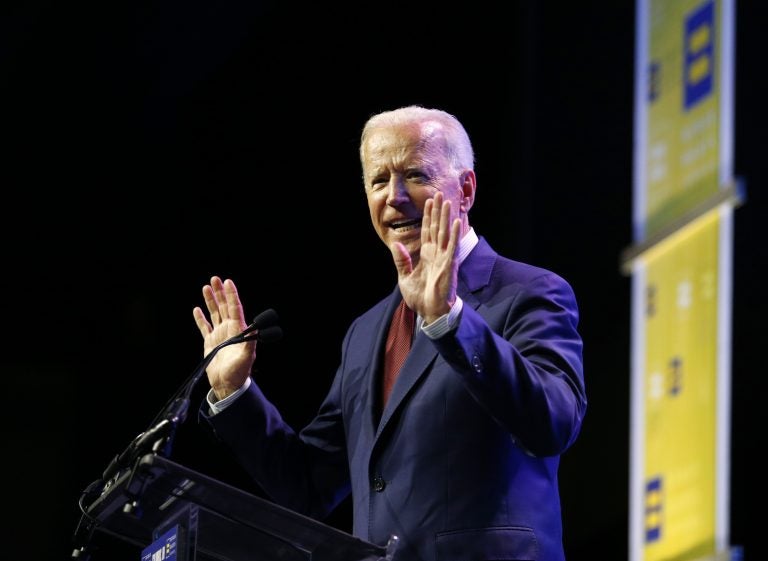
(699, 58)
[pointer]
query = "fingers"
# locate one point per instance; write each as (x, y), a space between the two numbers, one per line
(209, 297)
(444, 231)
(234, 308)
(435, 210)
(223, 303)
(426, 221)
(220, 311)
(201, 321)
(437, 226)
(402, 258)
(453, 241)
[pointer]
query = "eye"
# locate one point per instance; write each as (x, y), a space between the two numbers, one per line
(417, 176)
(378, 182)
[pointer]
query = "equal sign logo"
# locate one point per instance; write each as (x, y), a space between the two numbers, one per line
(699, 54)
(653, 509)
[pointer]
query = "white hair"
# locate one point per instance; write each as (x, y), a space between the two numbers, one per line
(458, 146)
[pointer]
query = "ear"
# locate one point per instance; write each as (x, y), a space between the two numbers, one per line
(468, 184)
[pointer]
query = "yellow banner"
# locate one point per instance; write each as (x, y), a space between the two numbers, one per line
(682, 102)
(680, 389)
(679, 472)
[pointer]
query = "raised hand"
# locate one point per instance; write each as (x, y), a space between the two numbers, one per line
(429, 286)
(232, 365)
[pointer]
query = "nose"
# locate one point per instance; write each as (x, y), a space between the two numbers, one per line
(397, 192)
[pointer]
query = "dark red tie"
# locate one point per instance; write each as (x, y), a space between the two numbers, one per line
(397, 347)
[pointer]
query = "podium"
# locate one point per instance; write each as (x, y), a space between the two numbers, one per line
(173, 513)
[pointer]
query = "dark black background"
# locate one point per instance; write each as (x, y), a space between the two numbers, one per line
(151, 145)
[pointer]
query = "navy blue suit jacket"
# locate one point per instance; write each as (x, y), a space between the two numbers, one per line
(462, 463)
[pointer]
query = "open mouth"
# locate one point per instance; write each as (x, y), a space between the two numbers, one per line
(405, 225)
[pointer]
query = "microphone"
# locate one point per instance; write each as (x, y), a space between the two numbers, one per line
(263, 328)
(270, 334)
(267, 318)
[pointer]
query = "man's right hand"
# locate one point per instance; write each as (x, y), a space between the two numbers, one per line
(231, 366)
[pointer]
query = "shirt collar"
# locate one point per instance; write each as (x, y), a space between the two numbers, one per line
(467, 244)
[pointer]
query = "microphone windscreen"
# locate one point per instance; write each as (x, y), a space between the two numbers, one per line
(270, 334)
(265, 319)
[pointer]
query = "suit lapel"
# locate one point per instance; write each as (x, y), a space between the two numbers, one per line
(422, 354)
(375, 364)
(474, 274)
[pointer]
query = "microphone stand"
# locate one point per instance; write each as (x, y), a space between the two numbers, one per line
(159, 437)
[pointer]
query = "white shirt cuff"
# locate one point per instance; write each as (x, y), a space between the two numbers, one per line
(219, 406)
(444, 323)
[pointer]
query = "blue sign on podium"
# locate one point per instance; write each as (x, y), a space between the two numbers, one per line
(163, 548)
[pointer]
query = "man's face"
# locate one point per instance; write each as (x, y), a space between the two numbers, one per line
(403, 166)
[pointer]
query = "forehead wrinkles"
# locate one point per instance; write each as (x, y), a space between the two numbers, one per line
(398, 151)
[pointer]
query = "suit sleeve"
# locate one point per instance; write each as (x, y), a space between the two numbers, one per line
(520, 357)
(305, 471)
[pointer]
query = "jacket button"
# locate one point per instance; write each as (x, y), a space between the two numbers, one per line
(378, 484)
(477, 364)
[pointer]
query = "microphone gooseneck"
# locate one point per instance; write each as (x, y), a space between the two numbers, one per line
(263, 328)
